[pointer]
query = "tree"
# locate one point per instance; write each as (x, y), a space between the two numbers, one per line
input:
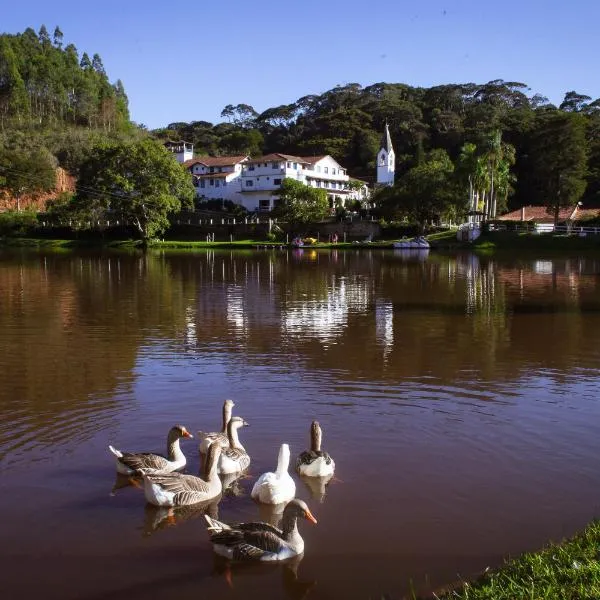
(138, 182)
(300, 204)
(26, 173)
(425, 193)
(97, 65)
(559, 159)
(58, 37)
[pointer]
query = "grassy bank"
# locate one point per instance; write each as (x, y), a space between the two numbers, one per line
(489, 243)
(569, 570)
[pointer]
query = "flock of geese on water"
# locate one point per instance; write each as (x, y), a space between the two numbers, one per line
(223, 454)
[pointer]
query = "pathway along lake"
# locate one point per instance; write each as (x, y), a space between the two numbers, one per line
(459, 397)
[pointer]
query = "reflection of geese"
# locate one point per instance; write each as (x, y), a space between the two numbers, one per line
(317, 486)
(261, 541)
(176, 489)
(123, 481)
(315, 462)
(161, 517)
(231, 484)
(294, 588)
(277, 487)
(234, 458)
(128, 462)
(217, 436)
(271, 513)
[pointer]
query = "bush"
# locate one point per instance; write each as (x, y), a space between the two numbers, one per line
(13, 224)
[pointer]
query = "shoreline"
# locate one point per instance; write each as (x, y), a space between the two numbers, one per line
(564, 570)
(487, 244)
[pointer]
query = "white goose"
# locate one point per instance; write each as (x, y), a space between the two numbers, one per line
(315, 462)
(129, 463)
(234, 458)
(261, 541)
(278, 487)
(176, 489)
(218, 436)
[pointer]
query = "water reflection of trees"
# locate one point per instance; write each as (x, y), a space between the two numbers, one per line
(72, 324)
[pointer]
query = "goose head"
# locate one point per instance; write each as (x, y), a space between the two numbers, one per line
(177, 432)
(299, 509)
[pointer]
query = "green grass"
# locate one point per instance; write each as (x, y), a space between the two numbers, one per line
(569, 570)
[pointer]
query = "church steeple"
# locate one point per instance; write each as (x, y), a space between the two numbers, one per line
(386, 159)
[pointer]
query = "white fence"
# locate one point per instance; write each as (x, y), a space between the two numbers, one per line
(580, 230)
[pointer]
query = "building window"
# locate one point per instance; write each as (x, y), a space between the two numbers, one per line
(251, 168)
(249, 183)
(275, 165)
(212, 169)
(325, 169)
(202, 183)
(218, 184)
(296, 166)
(276, 181)
(289, 165)
(212, 182)
(224, 182)
(332, 171)
(264, 204)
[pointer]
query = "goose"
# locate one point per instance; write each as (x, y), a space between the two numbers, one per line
(234, 458)
(278, 487)
(129, 463)
(315, 462)
(176, 489)
(217, 436)
(261, 541)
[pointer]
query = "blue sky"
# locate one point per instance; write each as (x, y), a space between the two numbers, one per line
(186, 61)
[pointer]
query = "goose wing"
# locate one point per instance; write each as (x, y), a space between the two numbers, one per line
(143, 460)
(237, 455)
(251, 543)
(309, 456)
(178, 483)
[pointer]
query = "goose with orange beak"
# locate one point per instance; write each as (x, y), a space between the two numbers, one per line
(130, 463)
(261, 541)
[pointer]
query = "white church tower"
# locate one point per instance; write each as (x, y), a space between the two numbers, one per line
(386, 160)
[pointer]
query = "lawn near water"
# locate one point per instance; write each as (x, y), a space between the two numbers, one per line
(569, 570)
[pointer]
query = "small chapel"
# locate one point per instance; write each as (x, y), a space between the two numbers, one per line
(386, 160)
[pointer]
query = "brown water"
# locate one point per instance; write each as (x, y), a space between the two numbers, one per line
(458, 396)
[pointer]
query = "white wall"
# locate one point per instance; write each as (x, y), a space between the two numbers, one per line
(386, 165)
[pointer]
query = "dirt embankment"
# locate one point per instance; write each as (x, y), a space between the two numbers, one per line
(65, 182)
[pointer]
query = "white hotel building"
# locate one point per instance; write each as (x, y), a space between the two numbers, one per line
(254, 183)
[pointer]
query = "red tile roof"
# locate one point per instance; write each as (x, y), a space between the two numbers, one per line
(536, 213)
(214, 161)
(314, 159)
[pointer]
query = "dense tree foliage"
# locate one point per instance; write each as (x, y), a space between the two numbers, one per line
(492, 133)
(54, 108)
(43, 84)
(139, 184)
(299, 204)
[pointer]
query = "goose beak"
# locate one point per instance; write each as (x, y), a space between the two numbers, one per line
(310, 517)
(245, 424)
(187, 434)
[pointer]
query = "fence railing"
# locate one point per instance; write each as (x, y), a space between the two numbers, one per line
(581, 230)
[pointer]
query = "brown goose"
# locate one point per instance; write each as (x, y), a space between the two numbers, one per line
(129, 463)
(261, 541)
(315, 462)
(234, 458)
(218, 436)
(176, 489)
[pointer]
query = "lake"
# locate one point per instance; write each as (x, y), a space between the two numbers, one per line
(458, 395)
